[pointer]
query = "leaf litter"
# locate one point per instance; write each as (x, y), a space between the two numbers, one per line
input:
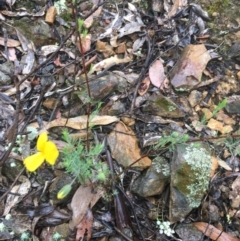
(158, 64)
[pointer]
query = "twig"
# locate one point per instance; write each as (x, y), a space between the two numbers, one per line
(5, 155)
(34, 110)
(122, 234)
(49, 58)
(134, 213)
(143, 71)
(88, 88)
(8, 191)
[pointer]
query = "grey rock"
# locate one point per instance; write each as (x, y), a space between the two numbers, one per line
(11, 168)
(190, 174)
(188, 232)
(99, 88)
(38, 31)
(194, 98)
(233, 104)
(6, 73)
(152, 181)
(157, 104)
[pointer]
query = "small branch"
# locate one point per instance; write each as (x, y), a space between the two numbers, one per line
(143, 71)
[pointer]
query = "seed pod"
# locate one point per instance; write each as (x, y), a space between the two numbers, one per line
(64, 191)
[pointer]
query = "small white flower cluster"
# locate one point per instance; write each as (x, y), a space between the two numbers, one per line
(2, 227)
(57, 236)
(18, 148)
(24, 236)
(32, 134)
(164, 227)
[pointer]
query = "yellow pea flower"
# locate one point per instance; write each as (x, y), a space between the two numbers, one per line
(47, 151)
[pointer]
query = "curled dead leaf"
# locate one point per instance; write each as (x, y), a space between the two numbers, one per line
(214, 233)
(143, 88)
(86, 43)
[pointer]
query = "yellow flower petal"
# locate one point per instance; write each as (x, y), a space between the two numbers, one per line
(50, 152)
(42, 139)
(34, 161)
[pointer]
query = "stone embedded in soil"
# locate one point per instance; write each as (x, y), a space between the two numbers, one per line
(198, 126)
(6, 73)
(233, 104)
(39, 32)
(210, 212)
(227, 129)
(100, 88)
(195, 98)
(154, 179)
(188, 232)
(61, 229)
(215, 125)
(221, 116)
(124, 148)
(113, 108)
(11, 168)
(190, 173)
(206, 113)
(44, 174)
(229, 86)
(234, 194)
(157, 104)
(218, 126)
(238, 75)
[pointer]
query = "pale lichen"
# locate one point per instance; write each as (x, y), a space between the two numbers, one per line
(199, 160)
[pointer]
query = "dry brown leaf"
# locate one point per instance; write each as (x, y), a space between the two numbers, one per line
(104, 48)
(79, 122)
(113, 41)
(124, 147)
(130, 28)
(143, 88)
(10, 42)
(50, 103)
(217, 125)
(214, 165)
(187, 72)
(234, 194)
(50, 15)
(21, 189)
(84, 228)
(106, 63)
(121, 48)
(84, 198)
(89, 21)
(224, 165)
(156, 74)
(214, 233)
(57, 62)
(11, 54)
(22, 12)
(178, 4)
(86, 43)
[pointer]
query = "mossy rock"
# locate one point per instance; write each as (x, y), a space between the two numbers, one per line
(160, 105)
(190, 174)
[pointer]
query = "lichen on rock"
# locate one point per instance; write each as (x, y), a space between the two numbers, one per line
(190, 174)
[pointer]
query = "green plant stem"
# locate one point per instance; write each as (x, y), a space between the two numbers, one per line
(86, 76)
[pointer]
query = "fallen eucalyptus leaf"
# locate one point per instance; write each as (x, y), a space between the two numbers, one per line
(79, 122)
